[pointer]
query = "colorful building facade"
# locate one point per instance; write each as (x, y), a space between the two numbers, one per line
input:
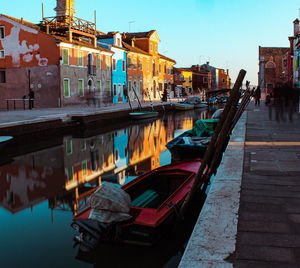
(113, 42)
(273, 67)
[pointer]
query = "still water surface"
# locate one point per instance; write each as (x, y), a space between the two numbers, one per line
(41, 191)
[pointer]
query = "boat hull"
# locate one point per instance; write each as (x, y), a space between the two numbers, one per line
(143, 115)
(149, 222)
(4, 140)
(183, 106)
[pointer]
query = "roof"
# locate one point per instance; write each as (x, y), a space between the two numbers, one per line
(138, 35)
(134, 49)
(80, 43)
(60, 38)
(26, 23)
(109, 35)
(166, 58)
(273, 51)
(183, 69)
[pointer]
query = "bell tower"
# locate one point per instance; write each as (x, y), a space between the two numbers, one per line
(65, 8)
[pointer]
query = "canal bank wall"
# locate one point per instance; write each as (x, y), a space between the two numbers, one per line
(213, 239)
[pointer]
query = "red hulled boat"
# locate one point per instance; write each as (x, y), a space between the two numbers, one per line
(155, 199)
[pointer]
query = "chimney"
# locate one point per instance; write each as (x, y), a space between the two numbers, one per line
(132, 42)
(65, 8)
(198, 68)
(227, 71)
(207, 62)
(296, 27)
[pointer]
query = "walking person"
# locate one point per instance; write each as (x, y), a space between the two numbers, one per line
(31, 99)
(257, 96)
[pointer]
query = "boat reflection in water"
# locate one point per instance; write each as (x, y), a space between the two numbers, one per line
(51, 185)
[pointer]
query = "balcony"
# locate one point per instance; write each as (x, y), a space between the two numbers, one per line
(92, 70)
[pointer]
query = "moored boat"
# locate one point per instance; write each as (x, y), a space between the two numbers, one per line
(196, 101)
(182, 106)
(192, 143)
(143, 115)
(154, 201)
(4, 140)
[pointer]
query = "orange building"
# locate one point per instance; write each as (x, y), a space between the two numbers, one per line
(58, 59)
(158, 74)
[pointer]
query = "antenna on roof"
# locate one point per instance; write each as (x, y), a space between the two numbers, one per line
(130, 22)
(43, 11)
(299, 13)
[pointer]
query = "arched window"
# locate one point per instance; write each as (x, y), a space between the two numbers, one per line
(270, 64)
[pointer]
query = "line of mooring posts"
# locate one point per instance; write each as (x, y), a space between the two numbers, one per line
(219, 141)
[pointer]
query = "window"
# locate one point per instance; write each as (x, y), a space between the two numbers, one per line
(83, 145)
(159, 68)
(175, 77)
(115, 90)
(123, 65)
(205, 79)
(2, 54)
(129, 85)
(141, 85)
(129, 62)
(65, 56)
(81, 87)
(134, 63)
(151, 47)
(156, 48)
(84, 168)
(69, 147)
(190, 78)
(99, 85)
(117, 155)
(98, 61)
(118, 42)
(2, 77)
(107, 63)
(168, 70)
(80, 58)
(114, 64)
(2, 32)
(67, 87)
(69, 173)
(223, 80)
(108, 84)
(148, 64)
(165, 68)
(140, 65)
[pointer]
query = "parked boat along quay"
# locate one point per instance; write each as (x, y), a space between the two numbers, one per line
(248, 219)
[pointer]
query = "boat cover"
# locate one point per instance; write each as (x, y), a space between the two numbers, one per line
(109, 204)
(200, 130)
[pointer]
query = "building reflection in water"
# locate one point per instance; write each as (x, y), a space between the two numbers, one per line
(66, 175)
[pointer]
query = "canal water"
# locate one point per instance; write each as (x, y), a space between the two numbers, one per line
(41, 191)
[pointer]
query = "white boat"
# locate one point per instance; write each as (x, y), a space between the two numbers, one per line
(182, 106)
(196, 101)
(143, 115)
(4, 140)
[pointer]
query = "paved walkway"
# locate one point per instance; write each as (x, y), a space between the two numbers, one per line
(17, 117)
(269, 215)
(252, 214)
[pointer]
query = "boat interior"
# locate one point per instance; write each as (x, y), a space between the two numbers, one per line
(153, 191)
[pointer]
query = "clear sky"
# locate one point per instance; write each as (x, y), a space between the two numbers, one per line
(225, 33)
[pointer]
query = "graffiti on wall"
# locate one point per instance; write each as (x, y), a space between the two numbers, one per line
(17, 48)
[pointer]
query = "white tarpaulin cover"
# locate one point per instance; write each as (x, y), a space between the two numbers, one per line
(109, 204)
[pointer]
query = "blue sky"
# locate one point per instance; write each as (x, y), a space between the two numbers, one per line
(225, 33)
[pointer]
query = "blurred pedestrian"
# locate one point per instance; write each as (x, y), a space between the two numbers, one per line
(257, 96)
(31, 99)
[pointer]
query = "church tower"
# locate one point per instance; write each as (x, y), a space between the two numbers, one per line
(65, 8)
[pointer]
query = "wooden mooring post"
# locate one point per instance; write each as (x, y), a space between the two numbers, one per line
(218, 141)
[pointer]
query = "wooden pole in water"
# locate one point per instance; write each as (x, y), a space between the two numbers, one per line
(223, 121)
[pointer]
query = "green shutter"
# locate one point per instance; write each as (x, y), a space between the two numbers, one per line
(66, 88)
(65, 56)
(98, 61)
(80, 87)
(80, 58)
